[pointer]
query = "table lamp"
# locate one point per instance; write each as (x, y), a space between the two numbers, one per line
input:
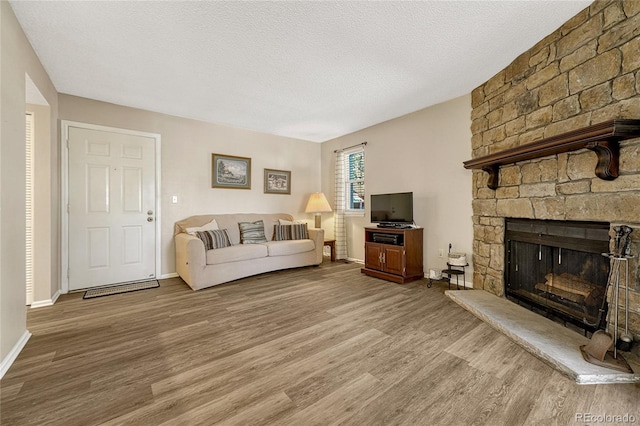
(318, 204)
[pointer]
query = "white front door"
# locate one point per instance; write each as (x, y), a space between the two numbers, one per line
(112, 208)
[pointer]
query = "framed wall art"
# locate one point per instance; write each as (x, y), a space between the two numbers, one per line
(229, 171)
(277, 181)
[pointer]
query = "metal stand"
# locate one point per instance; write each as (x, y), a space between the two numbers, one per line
(450, 272)
(615, 277)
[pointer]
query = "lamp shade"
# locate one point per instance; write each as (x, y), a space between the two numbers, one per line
(317, 204)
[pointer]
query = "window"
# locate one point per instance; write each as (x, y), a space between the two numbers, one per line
(354, 180)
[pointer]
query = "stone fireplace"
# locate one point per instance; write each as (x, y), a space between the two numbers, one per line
(585, 73)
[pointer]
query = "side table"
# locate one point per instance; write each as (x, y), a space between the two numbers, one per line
(332, 248)
(452, 270)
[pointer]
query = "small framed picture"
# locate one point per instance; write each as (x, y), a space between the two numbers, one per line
(277, 181)
(229, 171)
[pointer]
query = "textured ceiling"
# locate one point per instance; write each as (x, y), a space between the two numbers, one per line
(308, 70)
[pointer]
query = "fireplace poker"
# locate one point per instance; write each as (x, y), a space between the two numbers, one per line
(601, 310)
(617, 303)
(624, 344)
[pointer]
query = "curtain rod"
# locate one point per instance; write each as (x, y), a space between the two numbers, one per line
(352, 146)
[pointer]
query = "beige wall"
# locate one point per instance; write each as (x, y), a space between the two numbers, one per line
(420, 152)
(186, 149)
(17, 58)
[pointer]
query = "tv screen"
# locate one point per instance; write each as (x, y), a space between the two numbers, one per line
(392, 208)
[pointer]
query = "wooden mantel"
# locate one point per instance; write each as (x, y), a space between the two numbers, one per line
(604, 139)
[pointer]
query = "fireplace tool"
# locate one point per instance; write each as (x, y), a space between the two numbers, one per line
(597, 351)
(624, 343)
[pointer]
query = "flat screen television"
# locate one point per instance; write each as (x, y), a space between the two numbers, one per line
(392, 209)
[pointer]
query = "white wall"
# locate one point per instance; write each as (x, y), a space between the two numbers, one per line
(420, 152)
(17, 59)
(187, 146)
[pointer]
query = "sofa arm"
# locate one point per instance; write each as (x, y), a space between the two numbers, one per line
(317, 235)
(191, 258)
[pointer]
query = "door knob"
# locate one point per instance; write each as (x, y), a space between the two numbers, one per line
(149, 212)
(149, 219)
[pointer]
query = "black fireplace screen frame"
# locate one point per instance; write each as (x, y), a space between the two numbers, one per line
(549, 241)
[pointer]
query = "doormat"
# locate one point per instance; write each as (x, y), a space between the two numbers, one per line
(117, 289)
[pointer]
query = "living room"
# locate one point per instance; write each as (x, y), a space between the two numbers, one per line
(421, 152)
(186, 143)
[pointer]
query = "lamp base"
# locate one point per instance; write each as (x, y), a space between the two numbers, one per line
(318, 221)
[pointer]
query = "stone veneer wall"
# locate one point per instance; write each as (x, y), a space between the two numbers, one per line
(586, 72)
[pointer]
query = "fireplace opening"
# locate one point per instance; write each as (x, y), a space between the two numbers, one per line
(556, 268)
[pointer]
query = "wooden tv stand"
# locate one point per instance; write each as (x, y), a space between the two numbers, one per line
(393, 254)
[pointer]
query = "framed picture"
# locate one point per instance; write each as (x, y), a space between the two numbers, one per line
(277, 181)
(229, 171)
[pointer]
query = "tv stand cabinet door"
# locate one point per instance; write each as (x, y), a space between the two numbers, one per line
(373, 256)
(394, 260)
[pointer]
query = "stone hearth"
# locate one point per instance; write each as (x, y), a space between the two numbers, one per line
(585, 73)
(549, 341)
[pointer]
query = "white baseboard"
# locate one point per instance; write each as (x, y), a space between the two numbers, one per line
(48, 302)
(171, 275)
(351, 259)
(13, 354)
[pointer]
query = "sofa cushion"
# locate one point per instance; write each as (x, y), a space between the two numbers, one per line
(236, 253)
(214, 239)
(290, 232)
(286, 248)
(252, 232)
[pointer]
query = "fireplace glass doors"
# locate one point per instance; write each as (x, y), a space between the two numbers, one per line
(557, 267)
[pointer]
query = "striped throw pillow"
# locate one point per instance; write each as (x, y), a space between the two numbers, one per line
(214, 239)
(252, 232)
(290, 232)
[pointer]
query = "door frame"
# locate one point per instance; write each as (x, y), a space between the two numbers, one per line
(64, 196)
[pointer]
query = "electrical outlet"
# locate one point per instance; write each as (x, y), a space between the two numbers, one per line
(174, 199)
(440, 252)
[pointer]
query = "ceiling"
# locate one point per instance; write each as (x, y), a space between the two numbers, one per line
(310, 70)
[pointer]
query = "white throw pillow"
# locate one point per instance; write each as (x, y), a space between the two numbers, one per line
(288, 222)
(211, 226)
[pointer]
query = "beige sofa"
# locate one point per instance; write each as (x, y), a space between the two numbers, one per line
(201, 269)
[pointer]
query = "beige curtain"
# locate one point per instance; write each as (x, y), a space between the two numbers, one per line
(340, 232)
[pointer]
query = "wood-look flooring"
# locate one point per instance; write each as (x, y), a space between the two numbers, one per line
(311, 346)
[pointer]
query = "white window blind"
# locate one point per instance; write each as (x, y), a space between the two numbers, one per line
(29, 206)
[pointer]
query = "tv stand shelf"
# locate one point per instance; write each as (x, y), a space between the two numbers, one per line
(395, 226)
(393, 254)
